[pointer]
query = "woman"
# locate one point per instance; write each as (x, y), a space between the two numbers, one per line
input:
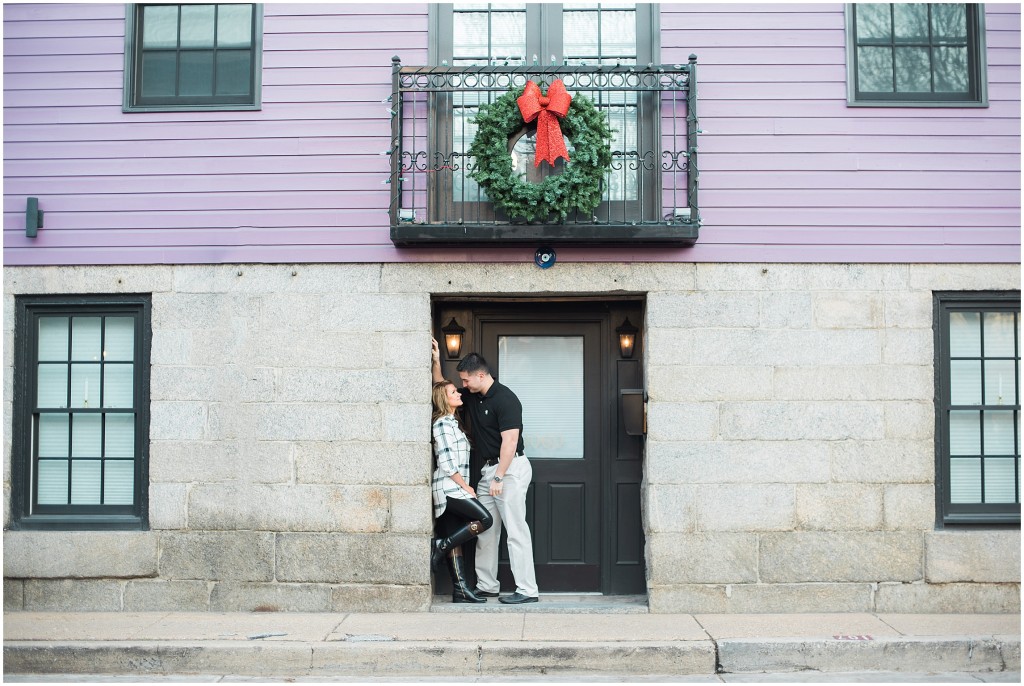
(460, 515)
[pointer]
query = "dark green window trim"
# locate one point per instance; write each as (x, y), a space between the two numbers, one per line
(946, 303)
(977, 92)
(135, 102)
(26, 513)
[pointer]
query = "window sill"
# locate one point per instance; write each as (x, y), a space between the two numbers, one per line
(917, 103)
(79, 523)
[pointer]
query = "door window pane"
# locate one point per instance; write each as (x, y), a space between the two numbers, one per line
(546, 372)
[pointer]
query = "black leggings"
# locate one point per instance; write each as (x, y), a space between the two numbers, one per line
(459, 514)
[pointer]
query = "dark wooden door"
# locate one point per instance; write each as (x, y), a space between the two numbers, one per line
(555, 369)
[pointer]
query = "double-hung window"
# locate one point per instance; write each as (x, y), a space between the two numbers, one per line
(470, 35)
(81, 411)
(916, 54)
(977, 343)
(193, 57)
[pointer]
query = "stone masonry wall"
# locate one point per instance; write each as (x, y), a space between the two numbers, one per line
(789, 463)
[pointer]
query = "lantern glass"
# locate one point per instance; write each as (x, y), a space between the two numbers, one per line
(626, 342)
(453, 341)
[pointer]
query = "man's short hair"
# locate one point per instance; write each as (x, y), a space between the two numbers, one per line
(473, 363)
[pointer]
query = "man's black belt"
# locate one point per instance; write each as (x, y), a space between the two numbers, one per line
(494, 460)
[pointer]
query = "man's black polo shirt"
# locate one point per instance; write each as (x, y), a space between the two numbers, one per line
(499, 410)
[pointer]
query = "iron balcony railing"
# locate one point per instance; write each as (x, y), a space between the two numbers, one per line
(649, 192)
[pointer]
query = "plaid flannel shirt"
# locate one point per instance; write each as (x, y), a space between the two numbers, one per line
(451, 448)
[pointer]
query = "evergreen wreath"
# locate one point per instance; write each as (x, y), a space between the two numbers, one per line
(578, 187)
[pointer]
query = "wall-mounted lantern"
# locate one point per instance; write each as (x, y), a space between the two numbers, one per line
(33, 217)
(453, 338)
(627, 338)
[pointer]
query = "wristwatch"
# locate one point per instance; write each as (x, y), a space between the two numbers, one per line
(496, 478)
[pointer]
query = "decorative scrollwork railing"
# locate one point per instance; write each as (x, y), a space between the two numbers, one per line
(649, 192)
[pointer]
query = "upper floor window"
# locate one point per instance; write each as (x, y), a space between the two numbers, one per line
(916, 54)
(81, 409)
(192, 57)
(977, 347)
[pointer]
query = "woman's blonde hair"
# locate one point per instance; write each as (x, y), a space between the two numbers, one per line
(442, 407)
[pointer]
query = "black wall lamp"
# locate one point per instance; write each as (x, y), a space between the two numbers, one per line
(33, 217)
(453, 338)
(627, 338)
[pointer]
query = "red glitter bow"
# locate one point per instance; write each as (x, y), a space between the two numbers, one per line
(547, 110)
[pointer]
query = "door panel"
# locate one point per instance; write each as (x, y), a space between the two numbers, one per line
(554, 368)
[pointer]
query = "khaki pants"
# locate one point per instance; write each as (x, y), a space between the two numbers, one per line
(509, 509)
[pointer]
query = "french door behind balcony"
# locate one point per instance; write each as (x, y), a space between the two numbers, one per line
(518, 34)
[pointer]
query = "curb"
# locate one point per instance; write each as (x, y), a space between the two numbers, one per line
(383, 658)
(895, 654)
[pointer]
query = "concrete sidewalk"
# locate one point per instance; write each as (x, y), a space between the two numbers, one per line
(505, 643)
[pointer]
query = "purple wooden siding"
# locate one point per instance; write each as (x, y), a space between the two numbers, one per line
(789, 172)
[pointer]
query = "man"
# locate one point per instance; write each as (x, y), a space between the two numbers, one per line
(496, 425)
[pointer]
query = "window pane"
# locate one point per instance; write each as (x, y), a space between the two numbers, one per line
(159, 74)
(119, 340)
(1000, 481)
(53, 482)
(85, 385)
(53, 435)
(965, 382)
(999, 433)
(910, 22)
(119, 435)
(965, 334)
(949, 22)
(196, 73)
(951, 70)
(580, 34)
(119, 482)
(118, 389)
(546, 372)
(85, 339)
(85, 482)
(964, 433)
(913, 70)
(1000, 382)
(618, 34)
(874, 70)
(197, 26)
(85, 435)
(873, 22)
(999, 332)
(52, 385)
(233, 72)
(470, 34)
(965, 480)
(508, 35)
(160, 26)
(53, 338)
(234, 26)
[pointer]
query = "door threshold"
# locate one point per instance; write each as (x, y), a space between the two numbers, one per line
(554, 603)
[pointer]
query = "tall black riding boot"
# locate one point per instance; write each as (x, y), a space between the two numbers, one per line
(440, 546)
(461, 592)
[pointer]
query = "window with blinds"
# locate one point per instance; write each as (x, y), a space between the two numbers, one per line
(978, 368)
(592, 34)
(83, 407)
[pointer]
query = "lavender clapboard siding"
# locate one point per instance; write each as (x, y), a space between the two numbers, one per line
(789, 172)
